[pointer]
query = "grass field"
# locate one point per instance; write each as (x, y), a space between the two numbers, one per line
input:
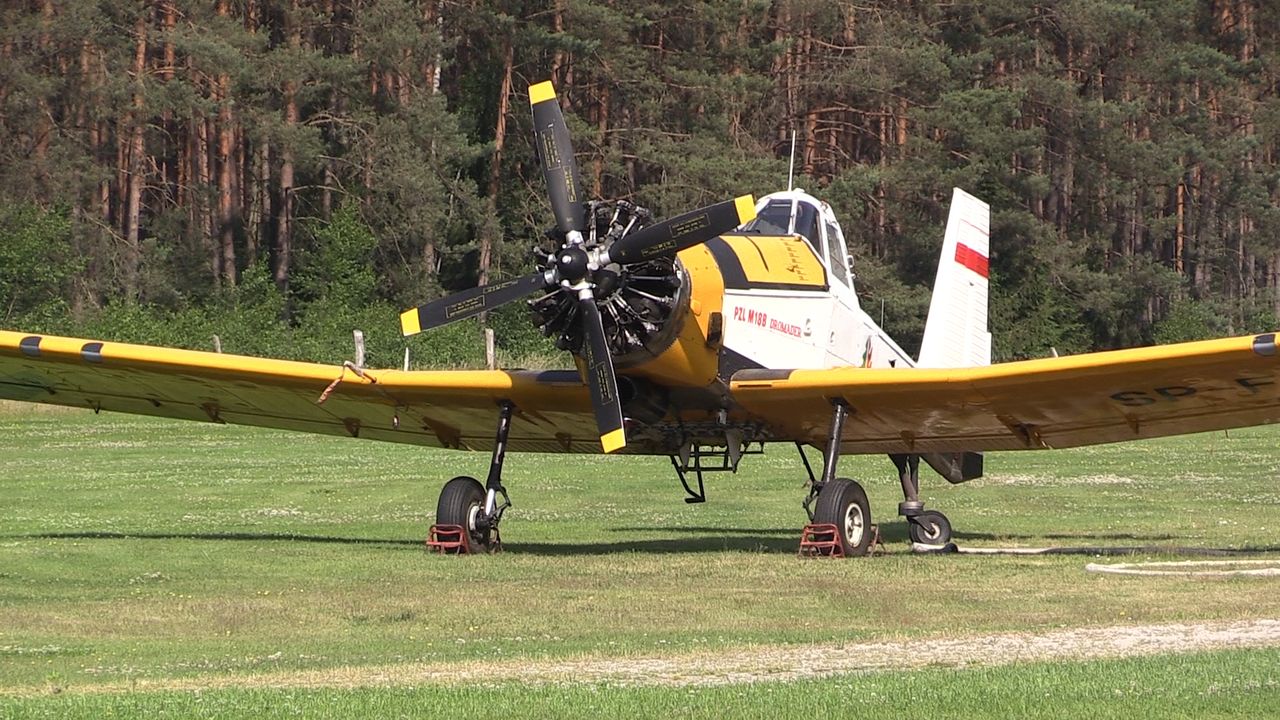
(137, 553)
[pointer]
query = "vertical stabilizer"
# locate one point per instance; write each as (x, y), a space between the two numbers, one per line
(955, 334)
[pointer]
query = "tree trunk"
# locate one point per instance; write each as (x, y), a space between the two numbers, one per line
(44, 126)
(131, 258)
(284, 220)
(168, 61)
(495, 166)
(227, 205)
(1180, 230)
(200, 194)
(602, 134)
(263, 226)
(433, 15)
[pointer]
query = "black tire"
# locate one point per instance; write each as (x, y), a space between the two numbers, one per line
(462, 503)
(843, 503)
(929, 528)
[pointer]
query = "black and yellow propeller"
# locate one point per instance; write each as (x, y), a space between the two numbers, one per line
(573, 267)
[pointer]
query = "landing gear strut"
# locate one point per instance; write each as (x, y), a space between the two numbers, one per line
(839, 501)
(926, 527)
(478, 509)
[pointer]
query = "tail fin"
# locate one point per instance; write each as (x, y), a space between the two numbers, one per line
(955, 335)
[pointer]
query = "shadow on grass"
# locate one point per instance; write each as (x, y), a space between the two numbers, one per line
(760, 543)
(788, 531)
(783, 541)
(741, 540)
(256, 537)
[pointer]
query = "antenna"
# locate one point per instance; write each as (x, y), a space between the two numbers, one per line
(791, 167)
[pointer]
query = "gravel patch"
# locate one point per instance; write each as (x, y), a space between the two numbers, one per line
(747, 664)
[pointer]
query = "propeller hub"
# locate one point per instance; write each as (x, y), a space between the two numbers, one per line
(572, 262)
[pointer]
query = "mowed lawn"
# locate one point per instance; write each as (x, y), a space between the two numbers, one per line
(135, 550)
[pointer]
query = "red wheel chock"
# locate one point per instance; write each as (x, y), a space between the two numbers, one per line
(452, 539)
(820, 540)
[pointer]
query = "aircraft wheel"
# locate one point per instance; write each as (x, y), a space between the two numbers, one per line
(462, 503)
(929, 528)
(843, 503)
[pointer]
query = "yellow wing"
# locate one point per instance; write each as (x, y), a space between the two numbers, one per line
(443, 408)
(1054, 402)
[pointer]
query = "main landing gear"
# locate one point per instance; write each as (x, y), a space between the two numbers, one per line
(842, 502)
(839, 501)
(477, 508)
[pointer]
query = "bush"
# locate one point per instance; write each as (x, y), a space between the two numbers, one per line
(1189, 320)
(37, 262)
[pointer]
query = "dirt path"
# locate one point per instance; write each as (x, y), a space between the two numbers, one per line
(756, 663)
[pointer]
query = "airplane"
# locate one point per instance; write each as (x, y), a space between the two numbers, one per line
(704, 338)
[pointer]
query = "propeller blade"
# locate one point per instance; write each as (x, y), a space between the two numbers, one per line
(555, 152)
(600, 377)
(671, 236)
(468, 303)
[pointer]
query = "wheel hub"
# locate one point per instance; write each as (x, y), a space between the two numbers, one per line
(854, 525)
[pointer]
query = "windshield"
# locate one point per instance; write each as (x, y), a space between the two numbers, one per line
(775, 219)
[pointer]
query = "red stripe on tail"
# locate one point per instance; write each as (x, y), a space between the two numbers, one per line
(972, 259)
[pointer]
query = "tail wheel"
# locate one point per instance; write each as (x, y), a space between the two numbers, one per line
(929, 528)
(843, 503)
(462, 503)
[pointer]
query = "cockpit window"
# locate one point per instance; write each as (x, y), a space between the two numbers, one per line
(837, 253)
(807, 224)
(775, 219)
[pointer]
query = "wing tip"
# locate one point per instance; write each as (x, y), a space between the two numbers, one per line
(541, 92)
(613, 440)
(410, 322)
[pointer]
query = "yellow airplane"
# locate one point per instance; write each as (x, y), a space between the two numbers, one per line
(702, 338)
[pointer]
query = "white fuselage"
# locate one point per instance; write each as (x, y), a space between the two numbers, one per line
(807, 328)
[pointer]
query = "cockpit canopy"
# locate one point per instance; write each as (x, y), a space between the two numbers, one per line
(796, 212)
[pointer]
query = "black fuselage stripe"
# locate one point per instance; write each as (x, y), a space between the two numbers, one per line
(727, 260)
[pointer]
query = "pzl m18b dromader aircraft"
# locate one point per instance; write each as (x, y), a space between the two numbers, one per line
(703, 338)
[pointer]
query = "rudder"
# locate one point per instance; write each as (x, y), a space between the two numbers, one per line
(955, 334)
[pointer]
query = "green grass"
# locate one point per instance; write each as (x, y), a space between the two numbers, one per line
(134, 549)
(1231, 684)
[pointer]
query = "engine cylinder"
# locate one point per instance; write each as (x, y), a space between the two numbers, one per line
(641, 304)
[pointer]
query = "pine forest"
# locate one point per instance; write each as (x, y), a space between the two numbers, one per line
(279, 172)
